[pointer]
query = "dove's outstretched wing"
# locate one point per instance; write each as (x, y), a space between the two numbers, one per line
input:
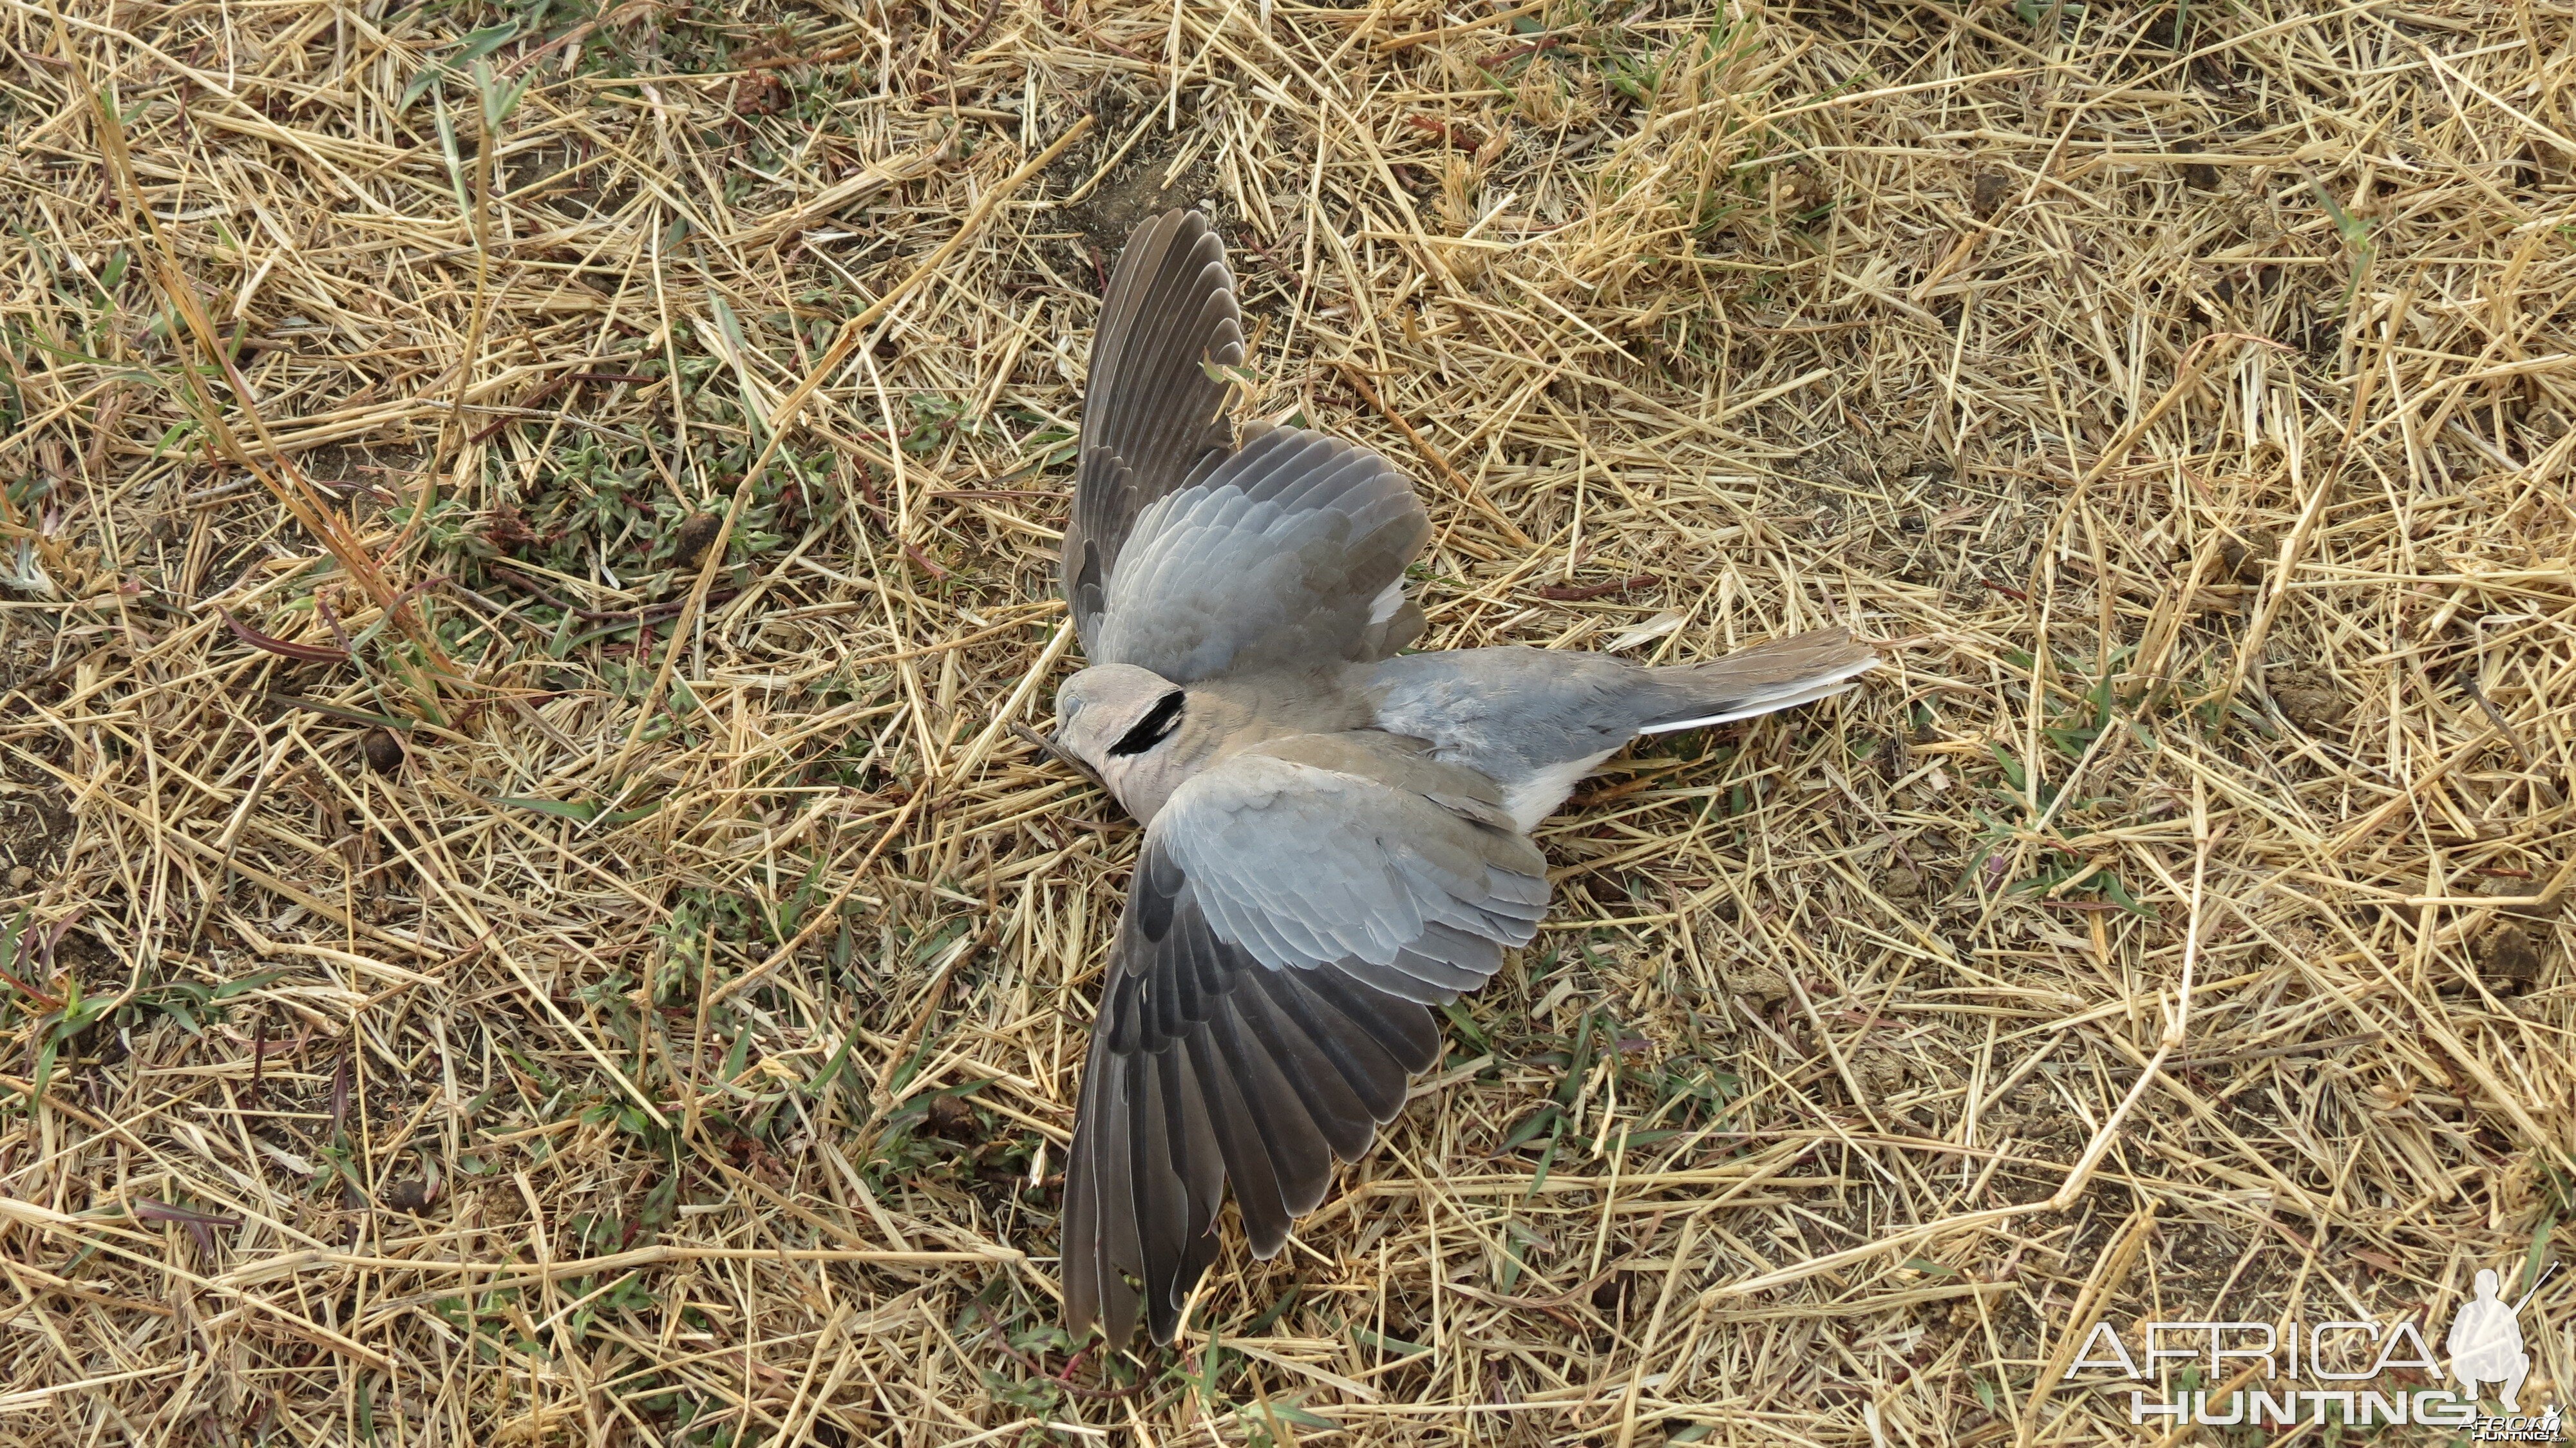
(1153, 408)
(1295, 910)
(1190, 557)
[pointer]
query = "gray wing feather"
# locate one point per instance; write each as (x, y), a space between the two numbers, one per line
(1189, 557)
(1509, 712)
(1321, 848)
(1289, 553)
(1266, 1004)
(1151, 413)
(1207, 1067)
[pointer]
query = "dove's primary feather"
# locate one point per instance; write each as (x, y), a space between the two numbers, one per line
(1152, 410)
(1336, 835)
(1292, 910)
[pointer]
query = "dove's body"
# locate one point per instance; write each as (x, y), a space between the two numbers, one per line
(1534, 721)
(1336, 834)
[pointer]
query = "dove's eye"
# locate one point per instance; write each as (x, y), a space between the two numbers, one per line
(1155, 727)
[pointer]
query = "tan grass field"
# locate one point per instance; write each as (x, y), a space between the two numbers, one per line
(528, 529)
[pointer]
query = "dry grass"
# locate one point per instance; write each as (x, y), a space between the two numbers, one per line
(675, 1045)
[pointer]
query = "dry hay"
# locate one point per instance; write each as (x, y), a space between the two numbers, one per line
(600, 1053)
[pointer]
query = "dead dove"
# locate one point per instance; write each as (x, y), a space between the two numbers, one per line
(1336, 833)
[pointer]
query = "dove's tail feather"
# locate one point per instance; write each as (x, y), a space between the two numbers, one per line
(1536, 721)
(1781, 674)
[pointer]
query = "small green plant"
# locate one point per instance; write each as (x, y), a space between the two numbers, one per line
(2356, 239)
(935, 418)
(2051, 14)
(62, 1027)
(499, 95)
(690, 938)
(483, 1322)
(2021, 806)
(193, 1004)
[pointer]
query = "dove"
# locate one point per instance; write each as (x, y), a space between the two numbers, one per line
(1336, 832)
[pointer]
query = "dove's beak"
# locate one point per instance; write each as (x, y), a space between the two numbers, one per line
(1053, 747)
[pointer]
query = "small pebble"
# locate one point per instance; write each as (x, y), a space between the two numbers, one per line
(2245, 558)
(952, 1117)
(2530, 901)
(2310, 700)
(2198, 175)
(1757, 981)
(384, 751)
(1883, 1072)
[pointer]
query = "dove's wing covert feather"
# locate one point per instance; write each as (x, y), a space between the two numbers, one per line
(1288, 554)
(1293, 911)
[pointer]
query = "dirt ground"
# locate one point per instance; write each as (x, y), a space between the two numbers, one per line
(524, 919)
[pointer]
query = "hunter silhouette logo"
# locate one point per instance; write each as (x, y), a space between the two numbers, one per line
(2486, 1347)
(2349, 1361)
(2486, 1343)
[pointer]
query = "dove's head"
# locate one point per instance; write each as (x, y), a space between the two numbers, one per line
(1117, 720)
